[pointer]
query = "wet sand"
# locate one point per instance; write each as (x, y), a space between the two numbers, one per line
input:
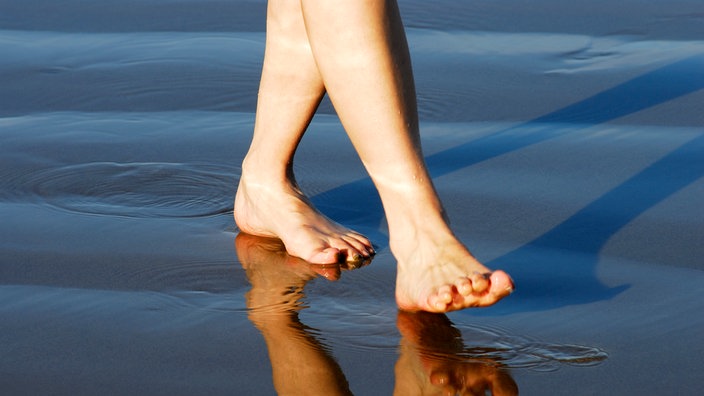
(566, 140)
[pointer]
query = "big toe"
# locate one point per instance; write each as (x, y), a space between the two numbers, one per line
(500, 283)
(323, 256)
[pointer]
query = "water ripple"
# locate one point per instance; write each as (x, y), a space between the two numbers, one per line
(150, 189)
(438, 339)
(214, 277)
(513, 351)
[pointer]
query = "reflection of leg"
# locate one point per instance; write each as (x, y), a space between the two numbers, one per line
(269, 202)
(429, 361)
(360, 49)
(300, 365)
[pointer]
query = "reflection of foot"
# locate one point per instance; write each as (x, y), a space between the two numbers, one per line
(300, 365)
(429, 363)
(436, 273)
(277, 278)
(282, 211)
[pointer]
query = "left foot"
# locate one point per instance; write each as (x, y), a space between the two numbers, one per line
(280, 210)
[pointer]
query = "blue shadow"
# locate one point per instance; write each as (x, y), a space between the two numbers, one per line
(574, 244)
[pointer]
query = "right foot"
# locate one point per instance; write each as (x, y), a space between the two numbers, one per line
(282, 211)
(436, 272)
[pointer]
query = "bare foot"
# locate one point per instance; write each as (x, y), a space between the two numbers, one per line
(281, 210)
(436, 273)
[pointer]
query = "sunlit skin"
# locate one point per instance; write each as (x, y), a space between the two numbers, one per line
(433, 361)
(356, 51)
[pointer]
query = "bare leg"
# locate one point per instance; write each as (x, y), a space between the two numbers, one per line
(360, 49)
(268, 201)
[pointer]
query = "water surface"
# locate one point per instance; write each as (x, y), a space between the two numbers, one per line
(565, 139)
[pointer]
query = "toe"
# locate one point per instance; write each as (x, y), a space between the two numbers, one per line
(440, 299)
(324, 256)
(361, 242)
(480, 282)
(347, 252)
(501, 283)
(464, 286)
(357, 249)
(500, 286)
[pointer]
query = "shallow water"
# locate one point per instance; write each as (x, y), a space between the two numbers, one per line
(569, 151)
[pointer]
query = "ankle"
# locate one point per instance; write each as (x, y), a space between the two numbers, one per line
(409, 230)
(413, 208)
(264, 172)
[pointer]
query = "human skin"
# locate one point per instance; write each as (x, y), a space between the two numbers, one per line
(356, 51)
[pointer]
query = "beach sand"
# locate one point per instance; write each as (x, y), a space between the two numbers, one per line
(566, 140)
